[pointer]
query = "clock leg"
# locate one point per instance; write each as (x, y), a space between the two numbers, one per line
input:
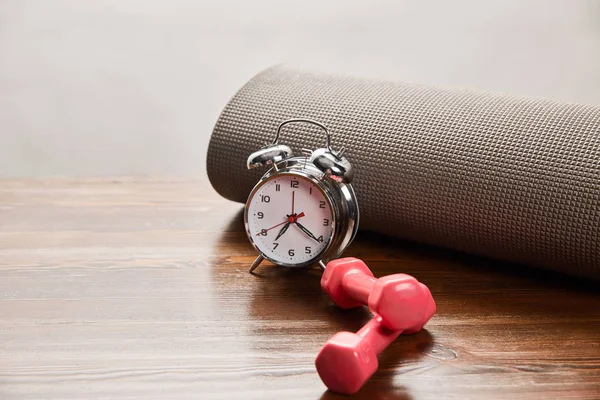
(322, 265)
(256, 263)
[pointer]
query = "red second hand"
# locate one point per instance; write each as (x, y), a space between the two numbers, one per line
(275, 226)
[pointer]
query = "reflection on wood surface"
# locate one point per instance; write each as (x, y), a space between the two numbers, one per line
(139, 288)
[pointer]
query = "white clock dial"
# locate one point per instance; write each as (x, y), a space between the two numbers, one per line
(290, 220)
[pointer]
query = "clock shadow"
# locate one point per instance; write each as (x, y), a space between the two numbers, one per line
(287, 312)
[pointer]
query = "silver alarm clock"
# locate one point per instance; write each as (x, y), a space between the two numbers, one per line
(303, 211)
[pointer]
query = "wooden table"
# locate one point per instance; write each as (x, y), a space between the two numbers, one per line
(124, 288)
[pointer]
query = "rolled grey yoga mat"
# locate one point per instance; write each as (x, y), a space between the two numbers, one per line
(503, 176)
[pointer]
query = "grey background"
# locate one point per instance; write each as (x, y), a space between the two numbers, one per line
(134, 87)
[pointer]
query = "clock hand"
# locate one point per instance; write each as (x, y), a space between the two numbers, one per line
(293, 192)
(282, 231)
(309, 233)
(291, 219)
(273, 227)
(284, 222)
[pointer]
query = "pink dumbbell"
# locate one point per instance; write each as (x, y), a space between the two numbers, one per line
(348, 359)
(350, 283)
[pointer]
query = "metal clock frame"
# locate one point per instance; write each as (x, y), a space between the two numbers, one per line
(341, 198)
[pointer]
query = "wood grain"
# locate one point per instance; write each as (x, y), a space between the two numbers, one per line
(138, 288)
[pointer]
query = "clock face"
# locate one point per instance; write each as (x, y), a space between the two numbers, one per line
(290, 220)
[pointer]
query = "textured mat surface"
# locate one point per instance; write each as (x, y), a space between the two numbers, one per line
(508, 177)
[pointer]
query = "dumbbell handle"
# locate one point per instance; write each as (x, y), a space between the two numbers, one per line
(359, 286)
(378, 336)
